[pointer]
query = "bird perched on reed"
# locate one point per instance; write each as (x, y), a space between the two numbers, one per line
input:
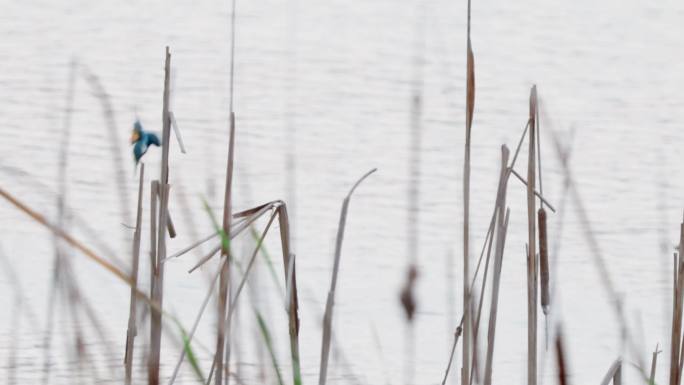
(142, 141)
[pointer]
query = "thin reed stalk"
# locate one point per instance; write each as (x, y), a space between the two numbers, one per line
(224, 283)
(470, 107)
(654, 361)
(291, 296)
(531, 257)
(678, 303)
(132, 331)
(158, 283)
(501, 228)
(327, 318)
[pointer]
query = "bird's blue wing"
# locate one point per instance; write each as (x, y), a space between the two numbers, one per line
(153, 139)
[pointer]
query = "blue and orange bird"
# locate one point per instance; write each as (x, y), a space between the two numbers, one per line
(142, 141)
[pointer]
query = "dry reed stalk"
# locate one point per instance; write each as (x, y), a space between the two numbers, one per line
(470, 107)
(614, 373)
(155, 321)
(224, 284)
(291, 298)
(654, 361)
(158, 286)
(501, 228)
(531, 257)
(132, 331)
(327, 318)
(678, 303)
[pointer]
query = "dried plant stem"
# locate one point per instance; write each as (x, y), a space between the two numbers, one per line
(163, 190)
(678, 301)
(501, 226)
(470, 107)
(291, 292)
(224, 283)
(132, 331)
(531, 258)
(327, 318)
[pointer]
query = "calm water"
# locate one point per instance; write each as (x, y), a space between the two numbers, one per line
(329, 84)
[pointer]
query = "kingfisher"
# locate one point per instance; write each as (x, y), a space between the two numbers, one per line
(142, 141)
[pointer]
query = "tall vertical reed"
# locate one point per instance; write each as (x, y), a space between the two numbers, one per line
(501, 228)
(132, 332)
(163, 191)
(470, 106)
(677, 303)
(531, 257)
(224, 280)
(327, 318)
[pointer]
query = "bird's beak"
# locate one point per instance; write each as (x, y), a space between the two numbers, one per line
(134, 137)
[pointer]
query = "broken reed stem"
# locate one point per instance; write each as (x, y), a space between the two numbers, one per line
(291, 290)
(132, 332)
(163, 190)
(327, 318)
(470, 107)
(225, 251)
(531, 258)
(502, 226)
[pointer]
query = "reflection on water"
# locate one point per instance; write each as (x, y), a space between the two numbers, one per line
(327, 87)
